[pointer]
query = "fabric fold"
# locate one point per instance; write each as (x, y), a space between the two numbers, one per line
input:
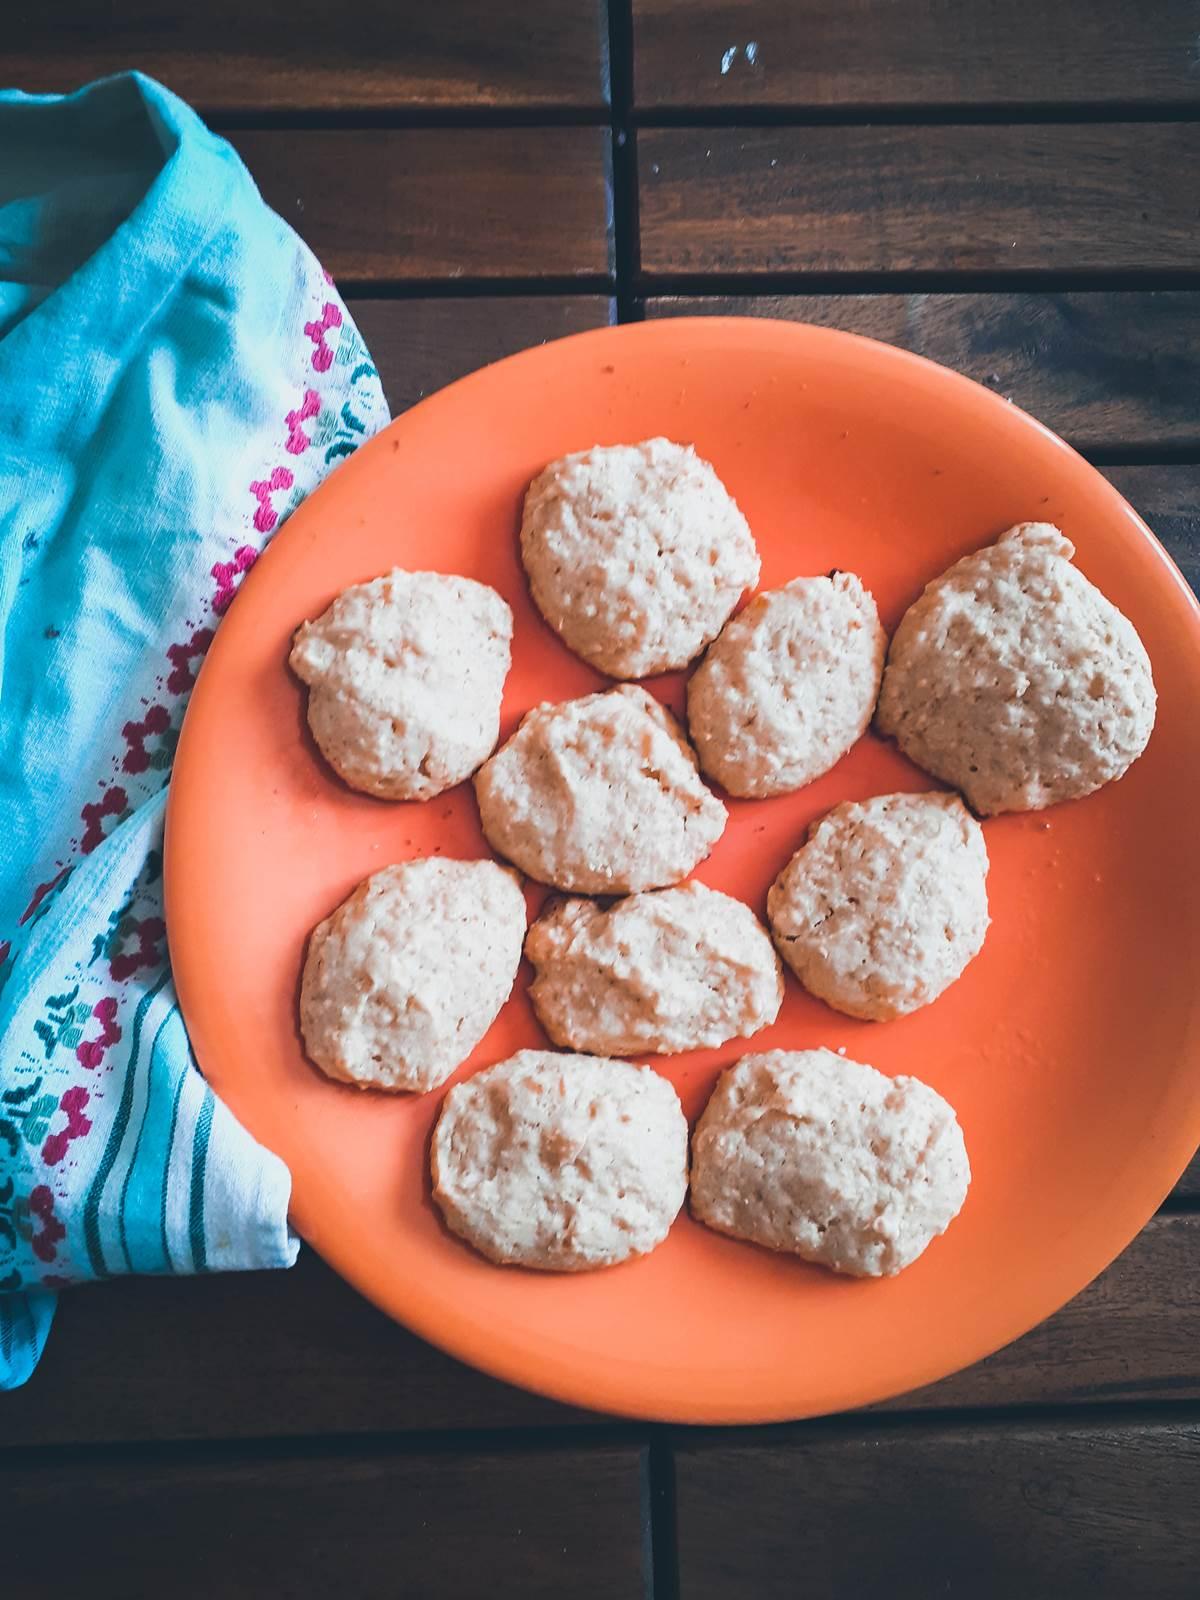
(178, 374)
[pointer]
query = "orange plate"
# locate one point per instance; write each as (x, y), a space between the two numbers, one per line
(1069, 1047)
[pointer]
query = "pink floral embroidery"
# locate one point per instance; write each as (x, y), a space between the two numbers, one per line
(297, 440)
(156, 721)
(55, 1147)
(227, 572)
(266, 516)
(112, 804)
(182, 655)
(144, 954)
(91, 1052)
(41, 1204)
(331, 317)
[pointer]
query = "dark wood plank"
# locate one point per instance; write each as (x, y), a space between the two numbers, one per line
(249, 1355)
(232, 57)
(890, 53)
(441, 203)
(291, 1354)
(1107, 371)
(1134, 1334)
(1168, 498)
(422, 345)
(1089, 197)
(990, 1513)
(1188, 1186)
(428, 1527)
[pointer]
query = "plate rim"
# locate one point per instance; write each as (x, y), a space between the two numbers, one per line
(474, 1343)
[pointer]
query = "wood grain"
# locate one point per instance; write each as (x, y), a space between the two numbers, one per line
(876, 54)
(251, 1355)
(441, 203)
(1168, 498)
(381, 55)
(295, 1353)
(1106, 370)
(1188, 1186)
(427, 1527)
(421, 345)
(1091, 197)
(1133, 1335)
(989, 1513)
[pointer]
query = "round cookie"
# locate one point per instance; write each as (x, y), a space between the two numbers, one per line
(788, 687)
(561, 1162)
(825, 1158)
(636, 555)
(676, 969)
(408, 974)
(405, 675)
(884, 903)
(1014, 679)
(599, 795)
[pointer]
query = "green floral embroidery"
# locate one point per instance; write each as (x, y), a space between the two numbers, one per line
(67, 1016)
(341, 432)
(25, 1114)
(14, 1225)
(122, 923)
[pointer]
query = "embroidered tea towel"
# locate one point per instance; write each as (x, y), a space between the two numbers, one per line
(176, 373)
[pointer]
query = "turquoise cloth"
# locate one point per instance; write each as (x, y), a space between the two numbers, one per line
(176, 373)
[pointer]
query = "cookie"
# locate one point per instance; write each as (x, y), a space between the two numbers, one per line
(676, 969)
(561, 1162)
(636, 555)
(600, 796)
(1014, 679)
(405, 978)
(788, 687)
(812, 1154)
(884, 904)
(405, 675)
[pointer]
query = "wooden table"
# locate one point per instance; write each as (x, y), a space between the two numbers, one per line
(1011, 188)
